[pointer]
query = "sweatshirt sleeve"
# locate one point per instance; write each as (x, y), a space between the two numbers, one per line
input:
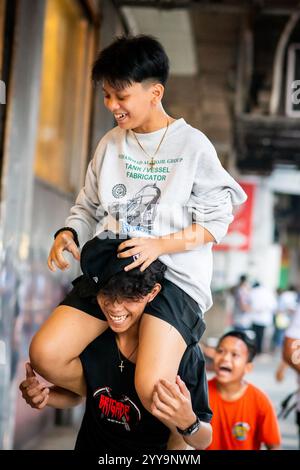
(214, 193)
(88, 211)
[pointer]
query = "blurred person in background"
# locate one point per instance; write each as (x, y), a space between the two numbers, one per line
(263, 304)
(291, 357)
(286, 307)
(241, 307)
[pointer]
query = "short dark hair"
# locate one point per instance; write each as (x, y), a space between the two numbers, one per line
(242, 335)
(131, 59)
(134, 284)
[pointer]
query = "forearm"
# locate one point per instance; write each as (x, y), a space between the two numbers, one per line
(202, 438)
(176, 442)
(192, 236)
(172, 405)
(61, 398)
(87, 211)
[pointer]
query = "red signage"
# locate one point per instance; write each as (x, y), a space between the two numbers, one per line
(240, 230)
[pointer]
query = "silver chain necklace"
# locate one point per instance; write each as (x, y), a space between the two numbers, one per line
(152, 162)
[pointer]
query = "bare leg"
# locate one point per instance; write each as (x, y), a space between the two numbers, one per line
(161, 348)
(55, 349)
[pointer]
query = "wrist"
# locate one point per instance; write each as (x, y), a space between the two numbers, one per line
(191, 428)
(51, 399)
(162, 246)
(171, 244)
(188, 421)
(68, 229)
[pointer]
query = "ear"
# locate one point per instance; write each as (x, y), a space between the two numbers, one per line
(249, 367)
(157, 93)
(156, 289)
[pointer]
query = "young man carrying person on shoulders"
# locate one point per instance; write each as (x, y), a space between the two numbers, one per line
(115, 419)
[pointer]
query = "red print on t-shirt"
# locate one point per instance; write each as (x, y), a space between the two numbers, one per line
(120, 410)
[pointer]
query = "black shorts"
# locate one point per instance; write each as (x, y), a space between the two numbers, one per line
(172, 305)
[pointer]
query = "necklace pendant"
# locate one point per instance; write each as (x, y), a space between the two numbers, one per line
(121, 366)
(151, 164)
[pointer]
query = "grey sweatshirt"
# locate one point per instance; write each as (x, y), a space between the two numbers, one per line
(188, 184)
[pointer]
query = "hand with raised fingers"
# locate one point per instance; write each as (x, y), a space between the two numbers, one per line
(34, 392)
(146, 250)
(63, 242)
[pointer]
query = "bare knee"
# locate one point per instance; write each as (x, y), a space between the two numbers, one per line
(144, 389)
(46, 358)
(57, 345)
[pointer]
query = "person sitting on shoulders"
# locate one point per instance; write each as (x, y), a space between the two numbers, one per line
(115, 418)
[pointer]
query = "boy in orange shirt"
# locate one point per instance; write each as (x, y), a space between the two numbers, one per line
(243, 416)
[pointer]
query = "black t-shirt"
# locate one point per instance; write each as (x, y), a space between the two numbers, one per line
(114, 418)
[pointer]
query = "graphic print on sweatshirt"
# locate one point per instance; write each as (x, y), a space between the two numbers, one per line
(139, 212)
(117, 409)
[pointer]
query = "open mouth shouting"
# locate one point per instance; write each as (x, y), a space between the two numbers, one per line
(224, 370)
